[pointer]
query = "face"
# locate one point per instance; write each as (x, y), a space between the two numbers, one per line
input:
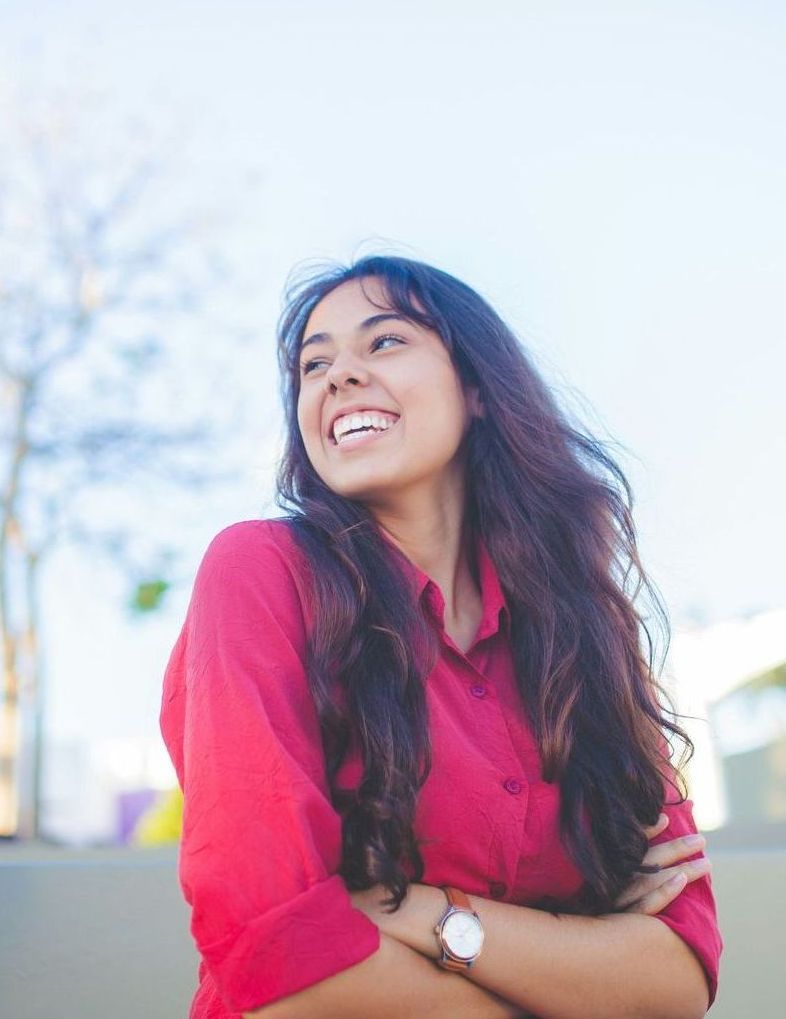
(391, 366)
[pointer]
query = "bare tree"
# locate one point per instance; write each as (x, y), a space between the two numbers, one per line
(97, 275)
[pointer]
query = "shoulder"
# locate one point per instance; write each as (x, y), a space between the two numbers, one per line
(256, 561)
(266, 540)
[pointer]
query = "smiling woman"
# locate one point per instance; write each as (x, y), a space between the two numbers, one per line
(427, 681)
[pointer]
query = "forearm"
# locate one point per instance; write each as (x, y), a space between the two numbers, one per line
(396, 982)
(618, 966)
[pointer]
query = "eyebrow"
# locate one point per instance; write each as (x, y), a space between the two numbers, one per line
(366, 324)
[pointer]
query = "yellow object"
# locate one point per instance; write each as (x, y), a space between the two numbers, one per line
(162, 822)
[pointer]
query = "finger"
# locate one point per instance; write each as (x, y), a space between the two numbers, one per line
(673, 881)
(659, 826)
(635, 891)
(656, 900)
(667, 853)
(647, 883)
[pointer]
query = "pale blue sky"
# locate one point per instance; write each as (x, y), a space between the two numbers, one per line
(610, 176)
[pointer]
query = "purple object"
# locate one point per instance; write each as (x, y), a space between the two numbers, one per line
(130, 807)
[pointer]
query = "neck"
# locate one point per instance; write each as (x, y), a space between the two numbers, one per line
(440, 545)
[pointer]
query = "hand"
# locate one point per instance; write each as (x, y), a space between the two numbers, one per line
(650, 893)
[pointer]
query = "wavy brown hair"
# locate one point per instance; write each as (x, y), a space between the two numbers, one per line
(554, 509)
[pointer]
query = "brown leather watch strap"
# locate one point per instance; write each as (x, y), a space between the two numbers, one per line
(457, 898)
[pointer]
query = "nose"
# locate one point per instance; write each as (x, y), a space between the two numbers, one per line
(344, 372)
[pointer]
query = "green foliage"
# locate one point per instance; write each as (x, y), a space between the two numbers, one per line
(148, 596)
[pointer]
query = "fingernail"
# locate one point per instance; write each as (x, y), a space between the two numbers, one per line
(677, 880)
(694, 840)
(662, 818)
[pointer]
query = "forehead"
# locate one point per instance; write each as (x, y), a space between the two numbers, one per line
(347, 305)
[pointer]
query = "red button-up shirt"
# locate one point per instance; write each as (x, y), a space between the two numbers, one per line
(261, 841)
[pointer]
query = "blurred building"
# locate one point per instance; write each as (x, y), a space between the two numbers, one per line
(730, 677)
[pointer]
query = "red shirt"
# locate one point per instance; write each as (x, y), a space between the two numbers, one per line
(261, 841)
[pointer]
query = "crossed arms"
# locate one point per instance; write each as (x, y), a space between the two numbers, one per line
(617, 966)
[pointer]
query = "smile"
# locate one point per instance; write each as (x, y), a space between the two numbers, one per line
(353, 440)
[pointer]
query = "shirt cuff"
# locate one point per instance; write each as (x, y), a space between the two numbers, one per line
(293, 945)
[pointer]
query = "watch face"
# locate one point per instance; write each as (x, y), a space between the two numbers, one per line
(463, 934)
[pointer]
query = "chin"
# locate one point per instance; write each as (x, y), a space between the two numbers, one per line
(365, 489)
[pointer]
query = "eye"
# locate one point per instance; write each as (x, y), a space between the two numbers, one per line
(309, 365)
(387, 336)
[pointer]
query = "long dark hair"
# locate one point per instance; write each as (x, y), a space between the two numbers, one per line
(554, 509)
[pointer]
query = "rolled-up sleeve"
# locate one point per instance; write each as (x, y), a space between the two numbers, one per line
(261, 841)
(692, 914)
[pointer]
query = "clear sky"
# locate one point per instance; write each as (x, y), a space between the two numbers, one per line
(609, 175)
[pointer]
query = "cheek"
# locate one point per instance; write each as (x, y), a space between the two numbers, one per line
(439, 408)
(308, 421)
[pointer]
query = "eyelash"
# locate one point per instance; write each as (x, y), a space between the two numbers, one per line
(317, 360)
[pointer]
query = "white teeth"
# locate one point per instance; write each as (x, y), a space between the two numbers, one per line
(347, 440)
(371, 419)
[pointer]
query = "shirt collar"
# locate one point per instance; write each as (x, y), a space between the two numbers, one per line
(496, 612)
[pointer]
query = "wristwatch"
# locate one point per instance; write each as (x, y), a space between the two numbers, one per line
(459, 932)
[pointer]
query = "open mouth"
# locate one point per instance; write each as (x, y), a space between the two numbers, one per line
(349, 440)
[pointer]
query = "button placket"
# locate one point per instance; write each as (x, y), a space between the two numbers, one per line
(477, 684)
(508, 834)
(506, 841)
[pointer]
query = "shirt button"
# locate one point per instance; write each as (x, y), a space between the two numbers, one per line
(497, 889)
(512, 785)
(477, 690)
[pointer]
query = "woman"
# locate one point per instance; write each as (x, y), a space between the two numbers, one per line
(423, 757)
